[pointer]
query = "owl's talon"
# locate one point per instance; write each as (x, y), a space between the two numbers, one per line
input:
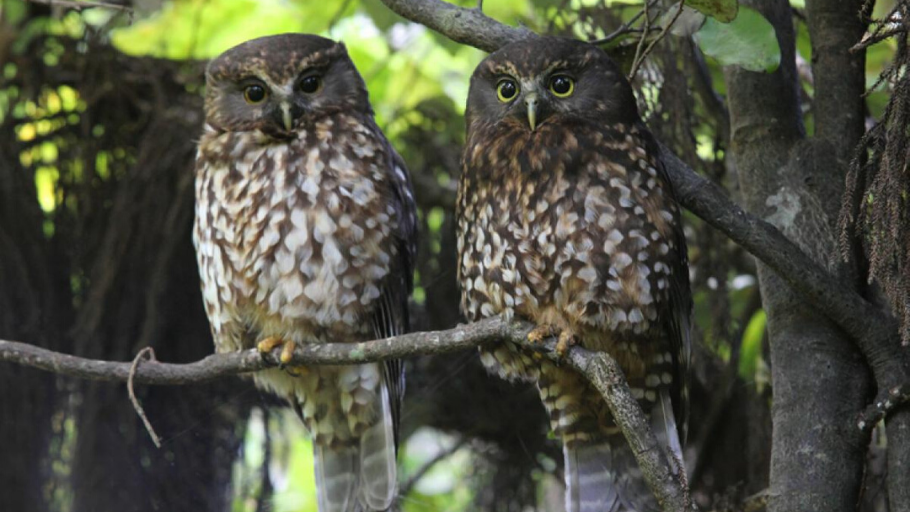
(542, 332)
(566, 341)
(287, 352)
(268, 344)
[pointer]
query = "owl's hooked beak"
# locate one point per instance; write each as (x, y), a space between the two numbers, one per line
(531, 101)
(286, 117)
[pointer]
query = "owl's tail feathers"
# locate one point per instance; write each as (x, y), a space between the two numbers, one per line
(336, 477)
(362, 477)
(604, 475)
(590, 477)
(378, 469)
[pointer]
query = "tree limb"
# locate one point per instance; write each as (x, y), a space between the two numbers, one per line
(601, 370)
(467, 26)
(222, 365)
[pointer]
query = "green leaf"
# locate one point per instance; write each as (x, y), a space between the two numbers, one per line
(750, 350)
(205, 28)
(749, 41)
(721, 10)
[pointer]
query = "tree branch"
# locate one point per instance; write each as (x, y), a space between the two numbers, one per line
(600, 369)
(234, 363)
(467, 26)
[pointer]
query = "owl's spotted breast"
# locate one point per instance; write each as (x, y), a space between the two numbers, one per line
(296, 237)
(581, 241)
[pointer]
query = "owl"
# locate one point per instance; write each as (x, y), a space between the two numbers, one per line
(305, 233)
(566, 219)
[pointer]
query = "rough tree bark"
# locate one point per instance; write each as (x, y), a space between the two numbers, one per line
(820, 380)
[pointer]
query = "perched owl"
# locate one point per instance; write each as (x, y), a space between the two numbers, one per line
(566, 219)
(305, 233)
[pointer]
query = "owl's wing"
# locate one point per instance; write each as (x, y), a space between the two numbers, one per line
(392, 318)
(679, 321)
(678, 315)
(380, 443)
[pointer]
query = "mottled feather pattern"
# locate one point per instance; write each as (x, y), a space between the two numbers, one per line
(295, 242)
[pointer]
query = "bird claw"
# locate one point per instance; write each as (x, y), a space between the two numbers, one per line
(268, 344)
(566, 338)
(287, 351)
(566, 341)
(542, 332)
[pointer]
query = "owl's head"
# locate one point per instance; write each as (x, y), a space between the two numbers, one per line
(530, 83)
(279, 83)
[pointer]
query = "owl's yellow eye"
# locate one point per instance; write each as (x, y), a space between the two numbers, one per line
(254, 93)
(310, 84)
(506, 90)
(562, 86)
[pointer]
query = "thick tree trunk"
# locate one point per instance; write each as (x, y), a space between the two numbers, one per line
(820, 381)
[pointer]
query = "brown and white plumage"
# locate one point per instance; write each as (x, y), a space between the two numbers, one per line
(566, 219)
(305, 233)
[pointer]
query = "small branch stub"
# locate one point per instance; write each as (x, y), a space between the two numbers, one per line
(150, 352)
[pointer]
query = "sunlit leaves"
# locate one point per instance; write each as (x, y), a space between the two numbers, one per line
(749, 41)
(202, 29)
(722, 10)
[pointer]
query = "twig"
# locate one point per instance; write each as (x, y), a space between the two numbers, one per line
(641, 43)
(640, 57)
(885, 402)
(136, 405)
(598, 367)
(625, 28)
(428, 465)
(86, 4)
(870, 40)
